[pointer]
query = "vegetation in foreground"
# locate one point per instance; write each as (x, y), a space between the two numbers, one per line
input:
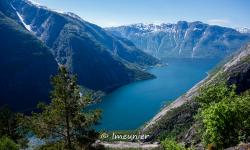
(62, 124)
(221, 121)
(224, 116)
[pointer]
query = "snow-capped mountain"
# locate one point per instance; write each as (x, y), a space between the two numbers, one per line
(145, 28)
(243, 30)
(183, 39)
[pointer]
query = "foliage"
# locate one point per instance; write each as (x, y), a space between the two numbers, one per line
(64, 118)
(224, 117)
(8, 144)
(11, 127)
(215, 93)
(52, 146)
(169, 144)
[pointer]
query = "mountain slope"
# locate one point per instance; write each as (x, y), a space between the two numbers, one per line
(26, 66)
(101, 61)
(183, 40)
(178, 118)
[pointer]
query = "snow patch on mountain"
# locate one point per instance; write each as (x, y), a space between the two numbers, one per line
(28, 27)
(154, 27)
(243, 30)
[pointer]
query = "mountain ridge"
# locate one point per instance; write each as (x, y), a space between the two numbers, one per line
(102, 61)
(183, 39)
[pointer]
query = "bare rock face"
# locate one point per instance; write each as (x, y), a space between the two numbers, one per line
(242, 146)
(238, 70)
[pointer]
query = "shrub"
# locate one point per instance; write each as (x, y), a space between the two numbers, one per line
(169, 144)
(8, 144)
(224, 116)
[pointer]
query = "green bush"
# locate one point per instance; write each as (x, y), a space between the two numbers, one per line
(7, 144)
(214, 94)
(227, 123)
(224, 116)
(169, 144)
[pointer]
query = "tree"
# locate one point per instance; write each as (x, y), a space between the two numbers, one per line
(215, 93)
(227, 123)
(64, 120)
(11, 127)
(224, 116)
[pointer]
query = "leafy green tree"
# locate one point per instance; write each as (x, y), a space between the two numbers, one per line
(227, 123)
(65, 119)
(8, 144)
(215, 93)
(224, 117)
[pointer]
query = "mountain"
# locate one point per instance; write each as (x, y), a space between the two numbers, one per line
(183, 39)
(26, 66)
(101, 61)
(178, 117)
(243, 30)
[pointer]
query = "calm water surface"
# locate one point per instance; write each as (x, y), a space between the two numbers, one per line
(130, 106)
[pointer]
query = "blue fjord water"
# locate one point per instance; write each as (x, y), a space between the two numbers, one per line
(130, 106)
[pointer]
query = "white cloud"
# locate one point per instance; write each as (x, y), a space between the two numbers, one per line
(221, 22)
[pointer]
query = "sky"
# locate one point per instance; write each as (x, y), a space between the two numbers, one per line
(106, 13)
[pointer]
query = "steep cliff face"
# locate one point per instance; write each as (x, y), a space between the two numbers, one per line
(101, 61)
(183, 40)
(238, 70)
(26, 66)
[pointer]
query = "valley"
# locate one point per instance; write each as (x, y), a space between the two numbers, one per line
(70, 83)
(138, 102)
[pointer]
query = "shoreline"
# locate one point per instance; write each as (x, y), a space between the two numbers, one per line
(176, 103)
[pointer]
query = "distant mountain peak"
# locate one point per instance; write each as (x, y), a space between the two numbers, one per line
(243, 30)
(162, 27)
(145, 27)
(183, 39)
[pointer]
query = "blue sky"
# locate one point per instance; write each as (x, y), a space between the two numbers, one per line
(231, 13)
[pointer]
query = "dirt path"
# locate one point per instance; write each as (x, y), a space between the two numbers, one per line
(122, 145)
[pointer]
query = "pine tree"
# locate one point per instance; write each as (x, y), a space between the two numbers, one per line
(11, 127)
(64, 120)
